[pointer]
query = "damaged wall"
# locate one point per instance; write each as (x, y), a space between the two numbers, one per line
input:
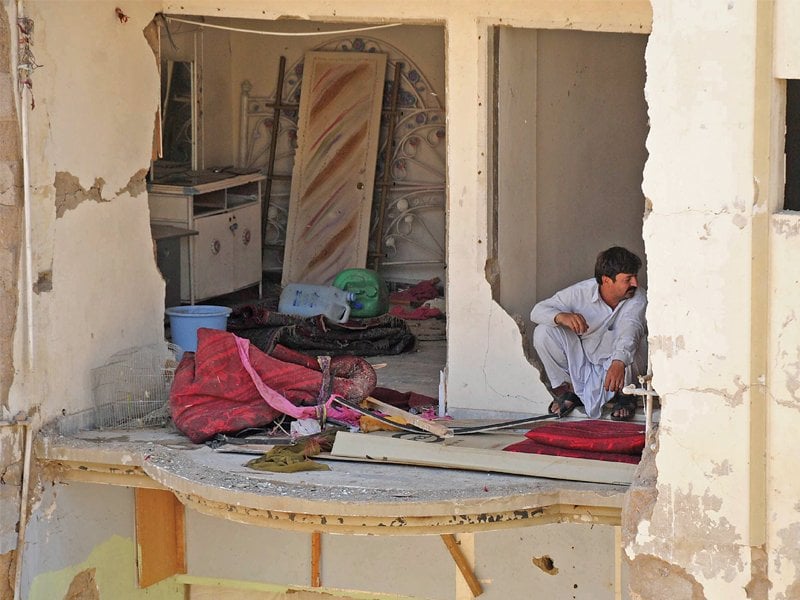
(700, 309)
(98, 289)
(720, 522)
(76, 562)
(713, 508)
(11, 248)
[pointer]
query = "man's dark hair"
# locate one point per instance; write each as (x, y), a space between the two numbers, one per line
(614, 261)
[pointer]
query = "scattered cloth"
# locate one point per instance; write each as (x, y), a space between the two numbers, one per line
(373, 336)
(404, 400)
(294, 458)
(415, 314)
(417, 294)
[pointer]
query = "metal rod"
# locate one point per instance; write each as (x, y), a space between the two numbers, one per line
(387, 165)
(273, 144)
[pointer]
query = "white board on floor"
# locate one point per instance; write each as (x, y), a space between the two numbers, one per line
(457, 454)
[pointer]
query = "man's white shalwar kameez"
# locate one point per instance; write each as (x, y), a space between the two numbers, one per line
(583, 360)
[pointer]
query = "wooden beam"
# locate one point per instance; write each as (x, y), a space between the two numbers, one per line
(160, 536)
(461, 562)
(437, 429)
(458, 455)
(316, 557)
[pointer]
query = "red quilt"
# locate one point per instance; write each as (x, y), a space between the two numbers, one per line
(593, 439)
(213, 393)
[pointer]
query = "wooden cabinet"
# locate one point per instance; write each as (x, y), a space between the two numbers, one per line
(225, 255)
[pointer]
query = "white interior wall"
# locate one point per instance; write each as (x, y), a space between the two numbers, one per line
(516, 226)
(572, 123)
(592, 126)
(219, 116)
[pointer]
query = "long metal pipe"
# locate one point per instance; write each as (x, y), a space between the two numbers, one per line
(26, 201)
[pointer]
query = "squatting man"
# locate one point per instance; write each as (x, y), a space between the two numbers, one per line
(592, 337)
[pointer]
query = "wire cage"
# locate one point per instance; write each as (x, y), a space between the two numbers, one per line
(131, 390)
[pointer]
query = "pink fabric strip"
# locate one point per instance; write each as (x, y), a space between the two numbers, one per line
(273, 398)
(281, 403)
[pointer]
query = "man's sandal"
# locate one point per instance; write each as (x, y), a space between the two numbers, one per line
(565, 404)
(623, 402)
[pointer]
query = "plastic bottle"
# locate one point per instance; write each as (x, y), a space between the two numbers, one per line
(310, 300)
(369, 288)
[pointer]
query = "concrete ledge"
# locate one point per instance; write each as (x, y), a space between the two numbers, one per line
(352, 497)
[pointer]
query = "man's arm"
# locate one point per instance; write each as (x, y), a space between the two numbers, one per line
(630, 329)
(560, 309)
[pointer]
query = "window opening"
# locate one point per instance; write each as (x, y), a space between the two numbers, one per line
(791, 198)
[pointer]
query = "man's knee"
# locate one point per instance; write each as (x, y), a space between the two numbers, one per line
(542, 335)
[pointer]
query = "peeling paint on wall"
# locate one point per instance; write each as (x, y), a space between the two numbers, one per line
(110, 567)
(10, 208)
(667, 344)
(83, 587)
(136, 184)
(643, 493)
(759, 584)
(7, 565)
(787, 556)
(70, 193)
(654, 579)
(788, 226)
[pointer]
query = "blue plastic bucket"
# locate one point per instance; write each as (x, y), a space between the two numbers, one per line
(184, 321)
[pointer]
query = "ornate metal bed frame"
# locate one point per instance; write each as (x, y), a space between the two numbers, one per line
(409, 245)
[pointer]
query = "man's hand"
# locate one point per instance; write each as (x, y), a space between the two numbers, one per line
(573, 321)
(615, 376)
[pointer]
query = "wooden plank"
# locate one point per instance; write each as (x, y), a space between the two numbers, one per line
(459, 455)
(160, 536)
(430, 426)
(316, 558)
(461, 562)
(334, 169)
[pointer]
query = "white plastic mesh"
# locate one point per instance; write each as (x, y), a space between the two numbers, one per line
(131, 390)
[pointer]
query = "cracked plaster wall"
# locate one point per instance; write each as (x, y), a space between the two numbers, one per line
(697, 531)
(783, 487)
(97, 289)
(11, 238)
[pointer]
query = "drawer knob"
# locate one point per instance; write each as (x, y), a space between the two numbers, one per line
(216, 246)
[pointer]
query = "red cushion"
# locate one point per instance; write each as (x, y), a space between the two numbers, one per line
(534, 447)
(591, 435)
